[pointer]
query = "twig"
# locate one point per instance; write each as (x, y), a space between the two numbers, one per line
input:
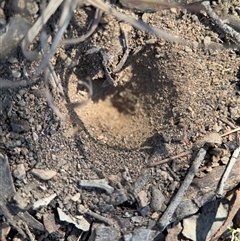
(224, 27)
(126, 52)
(105, 60)
(49, 74)
(10, 218)
(97, 18)
(227, 171)
(169, 159)
(166, 217)
(234, 208)
(54, 107)
(66, 15)
(36, 28)
(139, 24)
(54, 80)
(84, 210)
(101, 218)
(228, 123)
(172, 173)
(230, 132)
(31, 237)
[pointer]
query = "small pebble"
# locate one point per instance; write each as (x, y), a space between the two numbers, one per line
(19, 172)
(21, 103)
(20, 126)
(155, 215)
(76, 197)
(173, 10)
(16, 74)
(35, 136)
(44, 174)
(12, 60)
(207, 40)
(142, 198)
(157, 199)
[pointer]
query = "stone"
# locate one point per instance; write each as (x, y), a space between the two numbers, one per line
(16, 30)
(207, 40)
(173, 232)
(43, 202)
(106, 208)
(4, 230)
(203, 226)
(157, 199)
(80, 222)
(118, 197)
(19, 172)
(76, 197)
(143, 234)
(142, 199)
(44, 174)
(102, 232)
(16, 74)
(20, 126)
(189, 229)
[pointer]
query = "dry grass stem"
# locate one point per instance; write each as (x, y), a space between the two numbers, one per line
(97, 18)
(169, 159)
(36, 28)
(139, 24)
(230, 132)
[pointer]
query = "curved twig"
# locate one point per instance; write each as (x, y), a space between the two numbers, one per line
(97, 18)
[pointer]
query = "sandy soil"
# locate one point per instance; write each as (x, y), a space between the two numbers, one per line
(165, 98)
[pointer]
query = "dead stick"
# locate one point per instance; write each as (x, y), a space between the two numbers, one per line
(224, 27)
(227, 171)
(169, 159)
(230, 132)
(165, 219)
(108, 221)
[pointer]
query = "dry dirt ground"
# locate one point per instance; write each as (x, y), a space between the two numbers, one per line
(165, 98)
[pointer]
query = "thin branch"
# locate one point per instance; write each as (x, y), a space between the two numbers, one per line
(139, 24)
(36, 28)
(66, 15)
(97, 18)
(30, 235)
(224, 27)
(169, 159)
(227, 171)
(230, 132)
(125, 47)
(165, 219)
(108, 221)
